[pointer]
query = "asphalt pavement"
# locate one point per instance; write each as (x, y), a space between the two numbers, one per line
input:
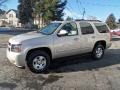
(71, 73)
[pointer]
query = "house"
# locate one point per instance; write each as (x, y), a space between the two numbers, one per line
(3, 20)
(10, 18)
(38, 22)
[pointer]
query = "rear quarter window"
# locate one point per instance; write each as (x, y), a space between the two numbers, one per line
(101, 27)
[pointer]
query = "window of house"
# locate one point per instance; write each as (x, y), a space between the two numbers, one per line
(71, 28)
(101, 27)
(86, 28)
(11, 15)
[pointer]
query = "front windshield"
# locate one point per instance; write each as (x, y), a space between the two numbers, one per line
(49, 29)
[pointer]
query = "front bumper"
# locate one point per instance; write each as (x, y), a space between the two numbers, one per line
(17, 59)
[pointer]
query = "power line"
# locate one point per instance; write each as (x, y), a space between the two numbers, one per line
(71, 12)
(70, 9)
(78, 4)
(69, 5)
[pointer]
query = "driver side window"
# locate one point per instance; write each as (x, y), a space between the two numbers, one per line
(71, 28)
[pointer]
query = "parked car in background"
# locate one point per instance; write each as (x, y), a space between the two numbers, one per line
(58, 39)
(115, 32)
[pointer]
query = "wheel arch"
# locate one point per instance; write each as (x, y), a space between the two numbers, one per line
(102, 42)
(45, 49)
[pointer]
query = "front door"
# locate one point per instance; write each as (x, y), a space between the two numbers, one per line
(68, 44)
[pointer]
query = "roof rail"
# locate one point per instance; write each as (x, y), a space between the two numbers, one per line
(88, 20)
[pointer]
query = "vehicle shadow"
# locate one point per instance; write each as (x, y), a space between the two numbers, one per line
(83, 63)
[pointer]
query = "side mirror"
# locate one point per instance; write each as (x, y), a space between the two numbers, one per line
(62, 33)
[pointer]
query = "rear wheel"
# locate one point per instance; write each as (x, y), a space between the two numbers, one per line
(98, 52)
(38, 61)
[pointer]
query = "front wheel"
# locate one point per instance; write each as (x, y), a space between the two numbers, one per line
(98, 52)
(38, 61)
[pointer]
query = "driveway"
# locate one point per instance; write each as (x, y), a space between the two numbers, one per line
(71, 73)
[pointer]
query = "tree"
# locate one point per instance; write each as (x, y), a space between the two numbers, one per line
(47, 10)
(2, 11)
(111, 21)
(50, 10)
(58, 10)
(69, 18)
(25, 10)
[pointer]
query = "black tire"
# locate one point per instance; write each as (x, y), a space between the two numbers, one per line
(94, 54)
(32, 57)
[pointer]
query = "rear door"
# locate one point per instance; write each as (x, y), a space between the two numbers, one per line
(88, 34)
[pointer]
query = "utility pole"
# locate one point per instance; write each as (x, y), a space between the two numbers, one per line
(83, 15)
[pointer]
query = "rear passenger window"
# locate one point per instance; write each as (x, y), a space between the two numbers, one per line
(101, 27)
(86, 28)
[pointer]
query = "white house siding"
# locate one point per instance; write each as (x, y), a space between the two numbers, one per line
(11, 19)
(38, 22)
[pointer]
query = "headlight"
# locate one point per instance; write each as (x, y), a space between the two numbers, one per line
(16, 48)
